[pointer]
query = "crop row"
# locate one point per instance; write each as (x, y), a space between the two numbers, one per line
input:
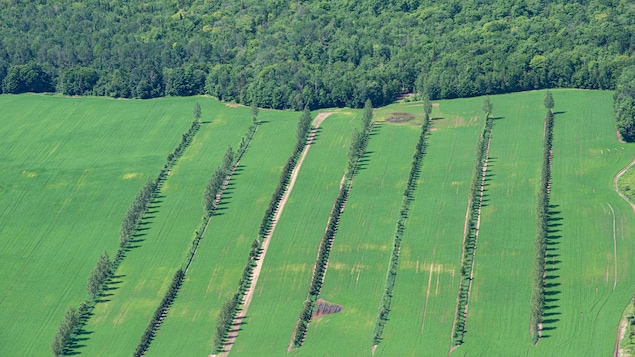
(75, 319)
(475, 200)
(384, 305)
(231, 306)
(355, 152)
(537, 305)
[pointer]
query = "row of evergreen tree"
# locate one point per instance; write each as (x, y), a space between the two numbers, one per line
(537, 305)
(215, 184)
(469, 240)
(355, 152)
(231, 306)
(391, 276)
(159, 314)
(105, 267)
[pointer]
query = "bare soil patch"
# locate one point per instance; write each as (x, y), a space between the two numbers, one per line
(400, 117)
(324, 307)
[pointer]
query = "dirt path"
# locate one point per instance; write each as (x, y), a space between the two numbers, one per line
(231, 338)
(617, 177)
(614, 249)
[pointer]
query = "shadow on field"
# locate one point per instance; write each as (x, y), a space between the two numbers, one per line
(316, 136)
(362, 164)
(552, 260)
(486, 181)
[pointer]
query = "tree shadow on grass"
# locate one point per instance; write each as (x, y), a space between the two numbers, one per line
(552, 261)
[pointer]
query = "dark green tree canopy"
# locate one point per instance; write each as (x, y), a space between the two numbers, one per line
(290, 54)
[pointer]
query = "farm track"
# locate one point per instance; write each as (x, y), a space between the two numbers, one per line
(233, 334)
(617, 178)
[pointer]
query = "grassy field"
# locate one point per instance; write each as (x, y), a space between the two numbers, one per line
(424, 299)
(72, 166)
(498, 313)
(145, 274)
(591, 284)
(220, 260)
(359, 258)
(70, 169)
(286, 273)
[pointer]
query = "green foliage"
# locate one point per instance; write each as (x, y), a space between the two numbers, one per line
(26, 78)
(487, 106)
(549, 100)
(77, 80)
(197, 111)
(304, 125)
(66, 329)
(289, 55)
(624, 104)
(99, 275)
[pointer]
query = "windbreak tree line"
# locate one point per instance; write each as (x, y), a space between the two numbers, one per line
(290, 54)
(469, 239)
(537, 305)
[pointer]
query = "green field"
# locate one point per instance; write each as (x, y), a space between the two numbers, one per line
(499, 302)
(358, 263)
(423, 306)
(70, 169)
(284, 280)
(221, 256)
(72, 166)
(145, 274)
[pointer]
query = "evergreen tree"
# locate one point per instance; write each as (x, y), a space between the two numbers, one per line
(548, 100)
(197, 111)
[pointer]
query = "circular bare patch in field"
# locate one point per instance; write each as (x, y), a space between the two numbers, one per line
(399, 117)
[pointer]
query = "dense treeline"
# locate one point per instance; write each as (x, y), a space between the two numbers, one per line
(537, 305)
(624, 104)
(138, 207)
(159, 314)
(99, 275)
(230, 307)
(475, 201)
(215, 184)
(289, 54)
(355, 152)
(391, 275)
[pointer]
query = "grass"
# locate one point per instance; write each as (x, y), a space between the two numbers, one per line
(145, 274)
(220, 260)
(586, 296)
(424, 299)
(284, 280)
(361, 251)
(498, 312)
(70, 169)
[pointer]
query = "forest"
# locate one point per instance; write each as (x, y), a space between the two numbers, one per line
(291, 54)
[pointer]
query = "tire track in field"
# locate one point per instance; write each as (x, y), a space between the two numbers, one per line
(231, 337)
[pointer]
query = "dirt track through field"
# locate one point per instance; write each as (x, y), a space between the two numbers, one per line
(231, 338)
(617, 177)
